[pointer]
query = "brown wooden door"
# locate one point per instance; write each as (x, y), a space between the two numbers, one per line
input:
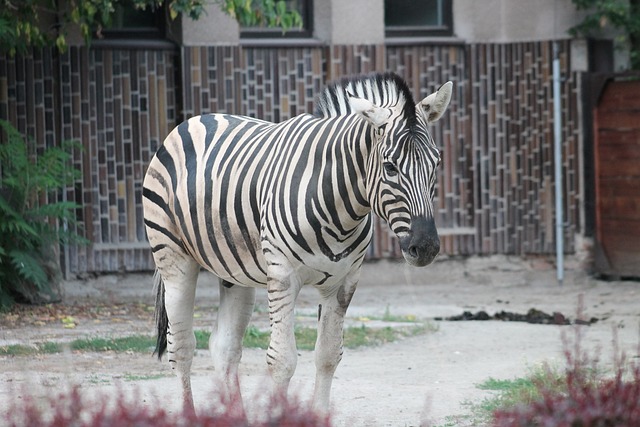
(617, 168)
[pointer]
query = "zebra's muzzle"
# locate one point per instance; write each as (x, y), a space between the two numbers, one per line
(422, 244)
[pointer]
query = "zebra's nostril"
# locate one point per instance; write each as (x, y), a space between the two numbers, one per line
(413, 251)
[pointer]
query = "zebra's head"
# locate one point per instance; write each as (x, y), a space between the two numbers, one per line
(403, 158)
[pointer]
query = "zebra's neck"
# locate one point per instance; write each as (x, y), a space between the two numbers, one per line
(346, 156)
(340, 205)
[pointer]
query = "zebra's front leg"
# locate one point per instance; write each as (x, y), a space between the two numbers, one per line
(328, 351)
(234, 314)
(282, 355)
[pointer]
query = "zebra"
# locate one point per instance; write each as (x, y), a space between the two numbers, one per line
(279, 206)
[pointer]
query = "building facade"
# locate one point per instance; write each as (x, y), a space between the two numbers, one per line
(120, 96)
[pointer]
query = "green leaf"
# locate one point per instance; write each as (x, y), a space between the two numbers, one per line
(29, 210)
(28, 267)
(61, 43)
(60, 210)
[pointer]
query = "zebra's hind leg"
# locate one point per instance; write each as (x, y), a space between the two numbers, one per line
(234, 314)
(328, 350)
(283, 287)
(179, 297)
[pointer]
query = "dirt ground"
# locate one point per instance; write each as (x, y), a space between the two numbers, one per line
(423, 380)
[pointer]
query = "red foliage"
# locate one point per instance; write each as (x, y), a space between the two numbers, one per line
(71, 409)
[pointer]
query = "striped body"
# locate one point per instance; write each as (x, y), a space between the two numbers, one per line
(280, 206)
(244, 203)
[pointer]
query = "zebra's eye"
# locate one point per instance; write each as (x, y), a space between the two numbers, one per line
(390, 169)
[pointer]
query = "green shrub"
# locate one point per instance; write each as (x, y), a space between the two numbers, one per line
(30, 215)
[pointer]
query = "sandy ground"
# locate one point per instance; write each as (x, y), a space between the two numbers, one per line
(425, 380)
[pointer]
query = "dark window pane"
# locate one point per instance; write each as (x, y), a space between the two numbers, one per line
(127, 16)
(415, 18)
(129, 22)
(404, 13)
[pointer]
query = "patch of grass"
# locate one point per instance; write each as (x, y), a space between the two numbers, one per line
(202, 339)
(261, 309)
(130, 377)
(505, 385)
(306, 338)
(508, 394)
(28, 350)
(50, 347)
(255, 338)
(97, 379)
(354, 337)
(366, 337)
(136, 343)
(388, 317)
(512, 392)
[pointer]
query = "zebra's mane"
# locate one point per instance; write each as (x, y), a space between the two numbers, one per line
(383, 89)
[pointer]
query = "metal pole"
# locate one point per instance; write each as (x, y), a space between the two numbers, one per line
(557, 142)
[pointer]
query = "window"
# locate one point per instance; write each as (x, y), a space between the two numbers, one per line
(129, 22)
(415, 18)
(303, 7)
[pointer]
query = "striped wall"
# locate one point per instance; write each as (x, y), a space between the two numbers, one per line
(495, 191)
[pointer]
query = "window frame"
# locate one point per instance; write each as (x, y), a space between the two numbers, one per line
(443, 30)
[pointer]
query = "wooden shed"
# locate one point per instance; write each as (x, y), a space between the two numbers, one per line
(617, 177)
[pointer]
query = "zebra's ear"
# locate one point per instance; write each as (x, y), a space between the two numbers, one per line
(434, 105)
(375, 115)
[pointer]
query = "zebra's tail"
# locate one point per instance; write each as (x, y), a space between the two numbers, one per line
(162, 321)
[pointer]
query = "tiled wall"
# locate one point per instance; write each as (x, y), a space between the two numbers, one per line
(495, 192)
(496, 189)
(511, 139)
(120, 104)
